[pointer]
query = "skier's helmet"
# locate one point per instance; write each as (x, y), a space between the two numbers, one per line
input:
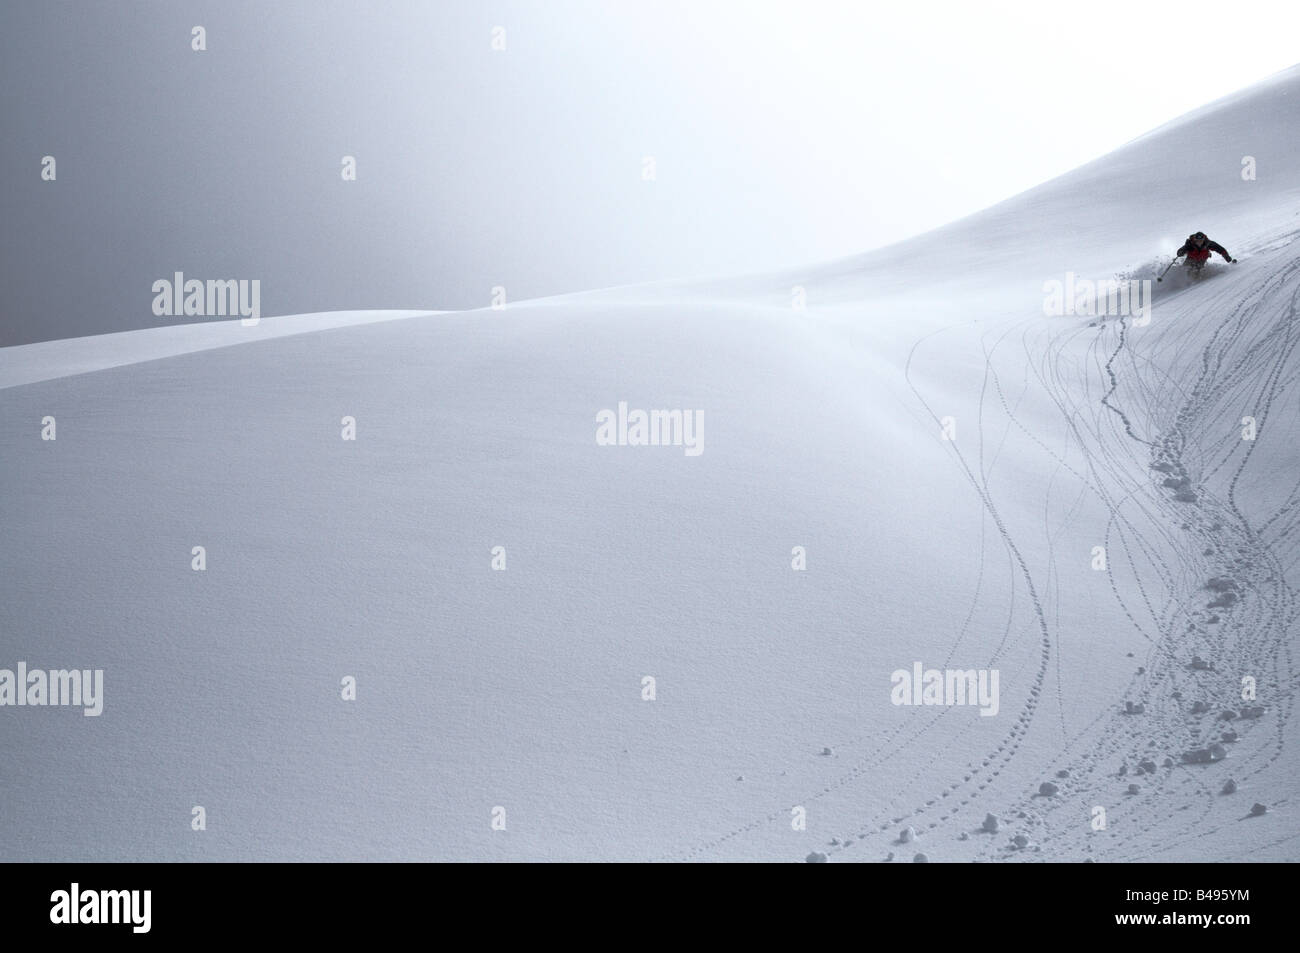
(1199, 236)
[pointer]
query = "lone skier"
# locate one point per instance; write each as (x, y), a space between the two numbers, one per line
(1198, 247)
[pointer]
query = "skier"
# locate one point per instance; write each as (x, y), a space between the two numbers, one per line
(1197, 248)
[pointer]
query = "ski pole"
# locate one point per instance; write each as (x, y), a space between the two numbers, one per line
(1167, 267)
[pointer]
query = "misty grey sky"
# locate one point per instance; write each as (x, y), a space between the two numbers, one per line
(781, 133)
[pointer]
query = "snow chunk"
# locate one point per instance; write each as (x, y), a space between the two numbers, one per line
(1215, 752)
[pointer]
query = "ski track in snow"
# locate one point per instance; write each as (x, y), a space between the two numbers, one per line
(1134, 410)
(1242, 366)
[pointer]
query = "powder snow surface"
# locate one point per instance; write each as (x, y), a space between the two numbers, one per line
(823, 428)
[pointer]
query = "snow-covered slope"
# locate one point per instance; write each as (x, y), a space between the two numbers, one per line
(29, 363)
(823, 428)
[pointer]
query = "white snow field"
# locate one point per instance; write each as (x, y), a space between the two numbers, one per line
(519, 694)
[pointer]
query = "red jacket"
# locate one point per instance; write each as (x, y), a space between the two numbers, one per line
(1203, 253)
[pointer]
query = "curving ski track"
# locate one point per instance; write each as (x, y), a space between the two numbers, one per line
(1151, 430)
